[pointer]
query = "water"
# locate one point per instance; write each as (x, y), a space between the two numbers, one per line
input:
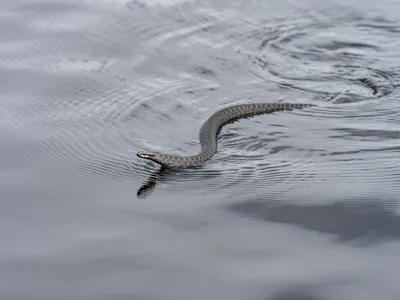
(297, 205)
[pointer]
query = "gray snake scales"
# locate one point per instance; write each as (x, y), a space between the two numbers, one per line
(211, 128)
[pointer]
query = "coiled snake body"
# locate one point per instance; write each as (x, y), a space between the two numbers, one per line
(211, 128)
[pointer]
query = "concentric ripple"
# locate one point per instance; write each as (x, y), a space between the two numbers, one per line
(85, 85)
(89, 94)
(337, 142)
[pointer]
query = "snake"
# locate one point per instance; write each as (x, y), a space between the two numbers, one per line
(211, 128)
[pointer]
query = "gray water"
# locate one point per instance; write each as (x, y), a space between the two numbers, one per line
(300, 205)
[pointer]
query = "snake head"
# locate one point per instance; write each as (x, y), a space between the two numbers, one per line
(146, 155)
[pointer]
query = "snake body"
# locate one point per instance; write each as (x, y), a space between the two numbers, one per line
(211, 128)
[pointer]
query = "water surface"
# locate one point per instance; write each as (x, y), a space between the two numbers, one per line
(296, 205)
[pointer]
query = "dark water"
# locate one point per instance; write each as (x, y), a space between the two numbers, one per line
(300, 205)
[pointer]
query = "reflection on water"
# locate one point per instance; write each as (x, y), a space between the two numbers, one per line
(295, 205)
(363, 220)
(149, 185)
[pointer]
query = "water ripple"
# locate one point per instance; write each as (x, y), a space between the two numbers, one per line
(144, 87)
(86, 84)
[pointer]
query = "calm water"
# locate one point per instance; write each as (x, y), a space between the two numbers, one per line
(300, 205)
